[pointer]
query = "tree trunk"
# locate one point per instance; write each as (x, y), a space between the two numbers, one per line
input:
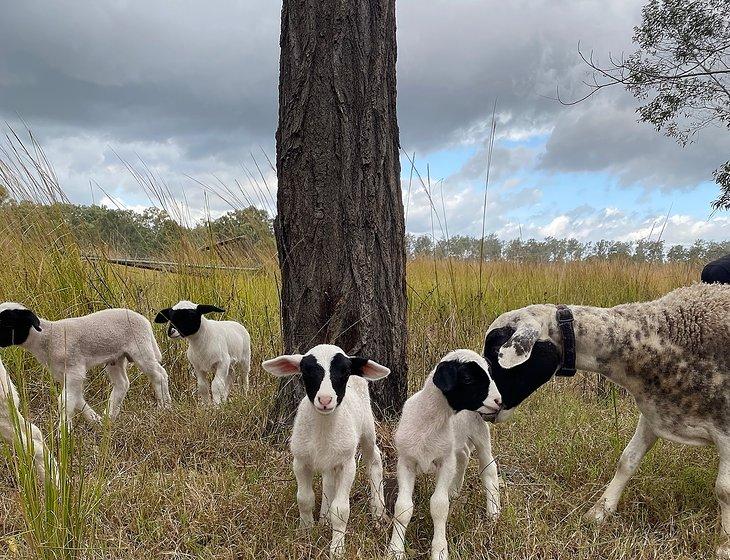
(340, 229)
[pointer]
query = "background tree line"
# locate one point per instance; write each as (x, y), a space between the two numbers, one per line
(154, 232)
(551, 249)
(150, 233)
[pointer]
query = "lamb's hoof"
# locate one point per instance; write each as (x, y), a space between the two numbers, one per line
(380, 515)
(723, 552)
(439, 553)
(597, 514)
(493, 513)
(324, 520)
(306, 524)
(396, 554)
(337, 552)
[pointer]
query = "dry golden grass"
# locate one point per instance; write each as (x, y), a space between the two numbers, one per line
(195, 482)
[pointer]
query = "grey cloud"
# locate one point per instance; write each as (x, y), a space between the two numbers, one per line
(163, 70)
(192, 87)
(144, 71)
(606, 137)
(505, 162)
(455, 58)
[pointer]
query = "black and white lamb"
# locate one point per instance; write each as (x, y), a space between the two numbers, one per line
(440, 426)
(70, 347)
(218, 347)
(671, 354)
(333, 420)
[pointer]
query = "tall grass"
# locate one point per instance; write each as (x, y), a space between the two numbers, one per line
(59, 513)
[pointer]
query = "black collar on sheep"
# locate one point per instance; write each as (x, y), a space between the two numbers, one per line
(565, 322)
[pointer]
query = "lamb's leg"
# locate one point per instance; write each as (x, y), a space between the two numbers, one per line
(642, 441)
(203, 387)
(462, 462)
(41, 455)
(329, 487)
(374, 464)
(440, 508)
(220, 381)
(231, 377)
(71, 400)
(29, 435)
(158, 378)
(246, 371)
(403, 508)
(305, 495)
(117, 373)
(340, 508)
(722, 490)
(488, 471)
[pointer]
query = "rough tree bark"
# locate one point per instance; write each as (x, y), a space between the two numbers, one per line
(340, 229)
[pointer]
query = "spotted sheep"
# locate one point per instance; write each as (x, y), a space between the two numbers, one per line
(218, 347)
(333, 420)
(13, 426)
(440, 426)
(671, 354)
(70, 347)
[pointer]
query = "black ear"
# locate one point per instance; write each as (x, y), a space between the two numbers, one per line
(17, 320)
(20, 317)
(367, 368)
(358, 363)
(163, 316)
(34, 321)
(445, 376)
(547, 359)
(203, 309)
(494, 341)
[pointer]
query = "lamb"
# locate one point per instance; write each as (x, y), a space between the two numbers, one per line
(215, 346)
(69, 347)
(332, 420)
(440, 426)
(671, 354)
(13, 425)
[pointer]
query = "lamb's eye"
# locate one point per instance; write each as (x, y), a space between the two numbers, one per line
(468, 379)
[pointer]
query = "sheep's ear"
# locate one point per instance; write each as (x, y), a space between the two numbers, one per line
(34, 321)
(368, 369)
(15, 318)
(445, 376)
(163, 316)
(283, 366)
(203, 309)
(518, 348)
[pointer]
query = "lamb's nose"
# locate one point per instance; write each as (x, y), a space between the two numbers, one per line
(324, 401)
(498, 401)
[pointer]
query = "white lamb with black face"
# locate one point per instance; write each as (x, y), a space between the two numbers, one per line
(218, 347)
(9, 415)
(440, 426)
(70, 347)
(332, 421)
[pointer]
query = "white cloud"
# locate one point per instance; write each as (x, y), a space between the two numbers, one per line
(558, 227)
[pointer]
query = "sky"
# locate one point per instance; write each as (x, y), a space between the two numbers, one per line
(186, 91)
